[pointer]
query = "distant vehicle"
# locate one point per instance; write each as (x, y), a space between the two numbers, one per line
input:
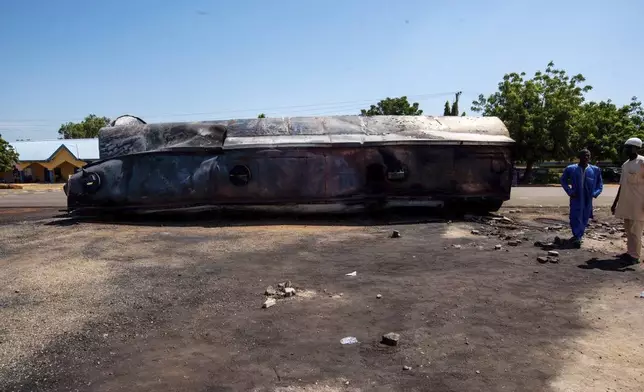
(462, 162)
(611, 174)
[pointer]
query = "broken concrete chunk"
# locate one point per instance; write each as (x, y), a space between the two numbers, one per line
(542, 259)
(548, 246)
(269, 302)
(390, 339)
(289, 291)
(553, 253)
(270, 290)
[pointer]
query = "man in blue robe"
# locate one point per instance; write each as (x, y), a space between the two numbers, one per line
(582, 182)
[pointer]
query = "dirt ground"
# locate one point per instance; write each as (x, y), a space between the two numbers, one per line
(175, 305)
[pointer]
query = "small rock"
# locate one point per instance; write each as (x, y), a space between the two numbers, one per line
(281, 285)
(621, 229)
(457, 247)
(406, 367)
(17, 291)
(553, 253)
(525, 254)
(478, 372)
(395, 234)
(270, 290)
(513, 243)
(476, 232)
(390, 339)
(611, 231)
(378, 296)
(269, 302)
(542, 259)
(289, 291)
(497, 247)
(553, 260)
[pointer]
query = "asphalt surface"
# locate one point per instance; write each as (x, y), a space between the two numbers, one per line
(521, 197)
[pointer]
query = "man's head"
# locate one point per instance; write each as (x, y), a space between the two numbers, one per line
(584, 157)
(632, 146)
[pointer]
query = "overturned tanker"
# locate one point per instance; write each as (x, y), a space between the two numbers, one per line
(463, 162)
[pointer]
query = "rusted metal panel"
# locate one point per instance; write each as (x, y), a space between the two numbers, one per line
(347, 159)
(300, 131)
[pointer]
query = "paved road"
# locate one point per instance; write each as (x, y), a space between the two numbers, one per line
(553, 196)
(18, 199)
(521, 197)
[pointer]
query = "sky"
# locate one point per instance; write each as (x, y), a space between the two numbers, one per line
(195, 60)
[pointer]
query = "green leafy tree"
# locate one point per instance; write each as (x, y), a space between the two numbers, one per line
(88, 128)
(602, 127)
(447, 110)
(261, 115)
(8, 156)
(452, 110)
(539, 112)
(393, 107)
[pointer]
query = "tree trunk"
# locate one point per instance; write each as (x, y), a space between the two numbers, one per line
(527, 176)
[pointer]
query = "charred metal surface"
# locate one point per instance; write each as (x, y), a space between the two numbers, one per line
(347, 159)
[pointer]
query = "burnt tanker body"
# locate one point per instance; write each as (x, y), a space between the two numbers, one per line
(462, 161)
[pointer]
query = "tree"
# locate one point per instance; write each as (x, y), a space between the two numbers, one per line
(393, 107)
(447, 110)
(453, 109)
(455, 105)
(602, 127)
(8, 156)
(88, 128)
(539, 112)
(261, 115)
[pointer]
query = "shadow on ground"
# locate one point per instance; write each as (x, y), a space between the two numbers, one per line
(268, 216)
(182, 312)
(613, 264)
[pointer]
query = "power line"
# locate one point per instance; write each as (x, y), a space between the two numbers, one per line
(315, 106)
